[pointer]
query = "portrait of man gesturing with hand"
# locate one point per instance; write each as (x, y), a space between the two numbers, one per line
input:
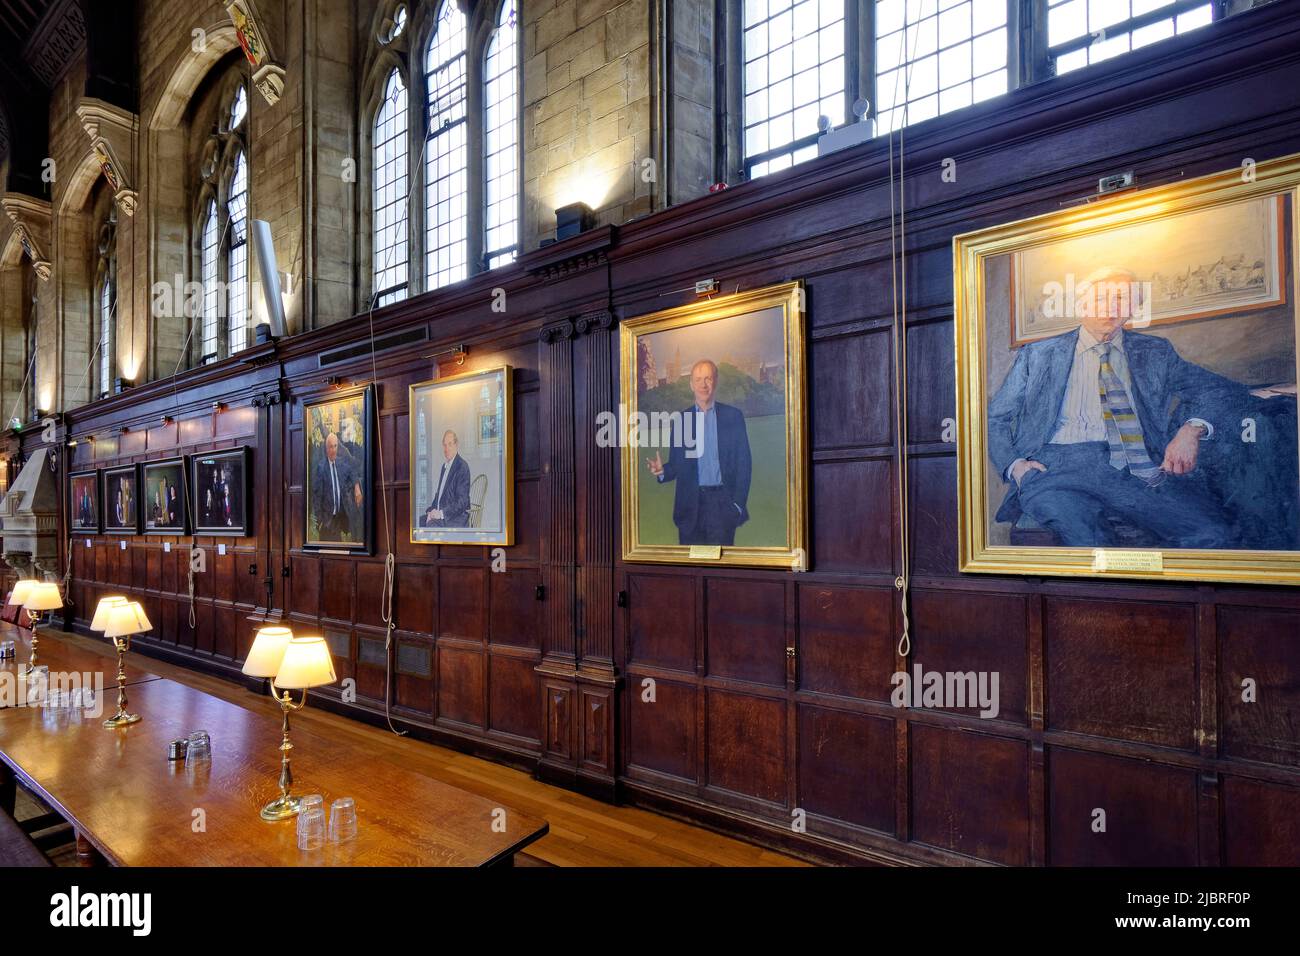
(713, 478)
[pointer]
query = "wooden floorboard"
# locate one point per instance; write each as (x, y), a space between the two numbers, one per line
(583, 831)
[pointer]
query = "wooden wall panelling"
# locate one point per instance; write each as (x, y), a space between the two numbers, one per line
(1114, 695)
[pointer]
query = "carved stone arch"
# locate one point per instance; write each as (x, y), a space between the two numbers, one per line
(194, 66)
(171, 221)
(482, 21)
(11, 252)
(381, 21)
(233, 148)
(229, 85)
(17, 318)
(208, 192)
(76, 192)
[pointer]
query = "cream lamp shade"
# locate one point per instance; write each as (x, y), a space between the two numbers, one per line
(307, 663)
(126, 619)
(267, 652)
(43, 596)
(100, 620)
(21, 588)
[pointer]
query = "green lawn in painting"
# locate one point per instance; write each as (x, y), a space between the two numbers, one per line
(766, 524)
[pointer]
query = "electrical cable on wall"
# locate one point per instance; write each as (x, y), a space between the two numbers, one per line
(898, 277)
(67, 478)
(390, 559)
(176, 407)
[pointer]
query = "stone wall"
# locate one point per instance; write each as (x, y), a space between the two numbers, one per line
(587, 111)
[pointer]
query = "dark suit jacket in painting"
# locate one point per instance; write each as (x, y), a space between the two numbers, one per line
(349, 518)
(454, 500)
(1167, 391)
(733, 458)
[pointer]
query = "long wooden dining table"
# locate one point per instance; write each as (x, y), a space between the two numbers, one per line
(99, 668)
(135, 807)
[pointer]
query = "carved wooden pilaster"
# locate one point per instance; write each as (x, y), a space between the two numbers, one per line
(598, 511)
(558, 558)
(577, 670)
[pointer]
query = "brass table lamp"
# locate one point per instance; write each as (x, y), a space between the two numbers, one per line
(120, 622)
(39, 597)
(292, 663)
(100, 621)
(21, 588)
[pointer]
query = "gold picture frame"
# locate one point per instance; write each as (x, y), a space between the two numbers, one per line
(776, 535)
(976, 255)
(497, 464)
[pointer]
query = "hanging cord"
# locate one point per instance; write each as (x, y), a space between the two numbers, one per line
(176, 407)
(898, 276)
(23, 390)
(390, 559)
(94, 355)
(67, 488)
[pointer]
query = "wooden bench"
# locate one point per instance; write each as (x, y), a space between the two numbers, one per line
(16, 847)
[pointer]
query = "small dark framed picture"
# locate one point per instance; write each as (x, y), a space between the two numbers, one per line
(164, 497)
(122, 500)
(84, 510)
(220, 492)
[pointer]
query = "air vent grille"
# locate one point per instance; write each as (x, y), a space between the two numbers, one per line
(385, 343)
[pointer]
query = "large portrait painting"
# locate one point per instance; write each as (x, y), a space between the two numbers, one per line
(1127, 385)
(339, 435)
(83, 502)
(122, 500)
(712, 430)
(220, 500)
(462, 468)
(164, 497)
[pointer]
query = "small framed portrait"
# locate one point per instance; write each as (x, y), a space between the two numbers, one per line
(339, 432)
(462, 459)
(714, 442)
(122, 500)
(164, 497)
(221, 492)
(83, 502)
(1126, 385)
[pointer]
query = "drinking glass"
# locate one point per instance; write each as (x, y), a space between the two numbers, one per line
(199, 748)
(311, 827)
(343, 820)
(311, 801)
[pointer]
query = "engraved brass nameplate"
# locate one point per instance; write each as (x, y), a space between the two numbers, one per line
(710, 552)
(1104, 559)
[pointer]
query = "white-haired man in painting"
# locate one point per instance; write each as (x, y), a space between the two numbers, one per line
(1104, 422)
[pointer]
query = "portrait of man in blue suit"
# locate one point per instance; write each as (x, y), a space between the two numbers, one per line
(713, 476)
(1104, 426)
(450, 505)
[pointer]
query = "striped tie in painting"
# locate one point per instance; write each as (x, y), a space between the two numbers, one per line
(1123, 429)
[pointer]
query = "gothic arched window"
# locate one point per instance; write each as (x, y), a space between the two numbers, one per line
(446, 173)
(390, 180)
(501, 141)
(105, 303)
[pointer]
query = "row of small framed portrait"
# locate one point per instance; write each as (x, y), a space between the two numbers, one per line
(189, 494)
